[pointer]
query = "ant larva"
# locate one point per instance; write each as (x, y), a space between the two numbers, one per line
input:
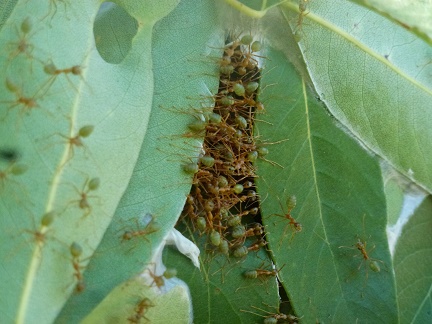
(76, 251)
(296, 226)
(76, 140)
(14, 169)
(273, 318)
(298, 31)
(140, 310)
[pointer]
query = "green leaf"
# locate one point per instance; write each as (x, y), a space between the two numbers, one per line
(65, 113)
(158, 185)
(376, 85)
(115, 30)
(156, 307)
(413, 261)
(253, 8)
(416, 16)
(394, 185)
(340, 200)
(220, 292)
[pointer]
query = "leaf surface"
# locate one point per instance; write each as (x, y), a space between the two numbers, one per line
(158, 186)
(374, 77)
(340, 200)
(413, 261)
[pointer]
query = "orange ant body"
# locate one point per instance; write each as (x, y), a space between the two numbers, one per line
(296, 226)
(151, 227)
(54, 72)
(74, 141)
(39, 231)
(253, 274)
(140, 310)
(157, 280)
(7, 175)
(257, 245)
(273, 318)
(302, 14)
(22, 46)
(372, 263)
(362, 247)
(27, 104)
(40, 235)
(76, 251)
(89, 185)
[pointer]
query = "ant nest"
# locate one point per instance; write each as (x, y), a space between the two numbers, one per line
(223, 192)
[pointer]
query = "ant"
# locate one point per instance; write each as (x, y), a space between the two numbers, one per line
(258, 245)
(302, 8)
(39, 235)
(27, 104)
(22, 45)
(273, 318)
(140, 310)
(52, 70)
(74, 141)
(89, 185)
(260, 273)
(157, 280)
(151, 227)
(13, 170)
(76, 251)
(296, 226)
(371, 263)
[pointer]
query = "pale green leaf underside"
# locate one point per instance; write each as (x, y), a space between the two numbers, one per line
(374, 77)
(163, 307)
(415, 16)
(42, 277)
(182, 79)
(220, 292)
(253, 8)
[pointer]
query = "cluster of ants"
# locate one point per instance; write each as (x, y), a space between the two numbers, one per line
(223, 192)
